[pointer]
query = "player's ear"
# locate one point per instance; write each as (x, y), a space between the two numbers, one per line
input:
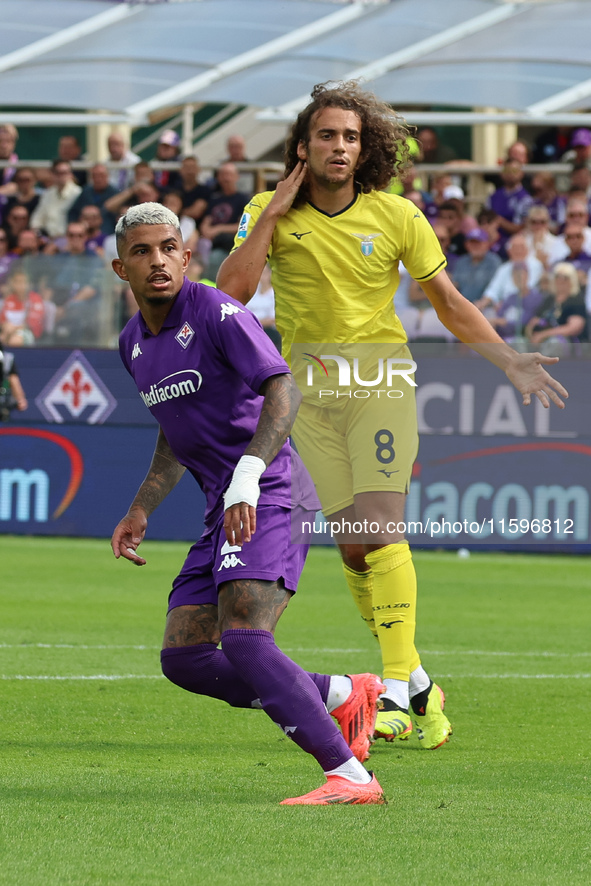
(119, 269)
(302, 151)
(186, 259)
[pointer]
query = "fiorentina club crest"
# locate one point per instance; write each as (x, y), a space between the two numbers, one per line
(76, 391)
(367, 242)
(184, 335)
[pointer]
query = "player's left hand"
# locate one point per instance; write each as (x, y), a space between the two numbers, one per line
(240, 523)
(528, 375)
(128, 535)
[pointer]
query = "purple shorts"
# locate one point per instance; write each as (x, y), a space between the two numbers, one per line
(211, 561)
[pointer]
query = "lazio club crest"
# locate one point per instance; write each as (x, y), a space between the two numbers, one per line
(367, 242)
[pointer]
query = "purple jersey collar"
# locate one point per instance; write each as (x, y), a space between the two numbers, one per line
(174, 316)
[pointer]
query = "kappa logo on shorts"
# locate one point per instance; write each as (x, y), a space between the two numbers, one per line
(184, 335)
(230, 560)
(366, 242)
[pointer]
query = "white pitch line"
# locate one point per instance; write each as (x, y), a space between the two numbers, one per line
(313, 650)
(69, 646)
(514, 654)
(161, 677)
(514, 676)
(82, 677)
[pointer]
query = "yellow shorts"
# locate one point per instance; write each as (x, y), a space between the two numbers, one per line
(358, 445)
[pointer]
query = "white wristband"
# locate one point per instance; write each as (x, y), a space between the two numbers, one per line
(244, 485)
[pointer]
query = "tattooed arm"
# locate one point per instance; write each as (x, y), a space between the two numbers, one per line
(282, 399)
(280, 406)
(163, 475)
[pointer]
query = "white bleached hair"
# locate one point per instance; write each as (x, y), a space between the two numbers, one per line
(145, 214)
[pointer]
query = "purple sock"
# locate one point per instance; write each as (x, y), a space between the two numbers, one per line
(288, 695)
(205, 670)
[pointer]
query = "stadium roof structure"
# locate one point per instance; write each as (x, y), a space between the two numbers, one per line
(103, 61)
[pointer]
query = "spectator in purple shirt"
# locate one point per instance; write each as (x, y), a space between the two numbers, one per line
(545, 193)
(225, 402)
(511, 201)
(516, 310)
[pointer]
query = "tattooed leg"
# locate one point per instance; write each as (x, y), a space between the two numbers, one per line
(190, 657)
(248, 612)
(252, 604)
(191, 625)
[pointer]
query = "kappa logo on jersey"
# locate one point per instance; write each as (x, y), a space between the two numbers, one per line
(184, 335)
(165, 389)
(297, 235)
(243, 226)
(228, 309)
(366, 242)
(230, 560)
(136, 351)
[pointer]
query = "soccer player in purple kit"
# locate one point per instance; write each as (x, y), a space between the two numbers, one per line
(225, 402)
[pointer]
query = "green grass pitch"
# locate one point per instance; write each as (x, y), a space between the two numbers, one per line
(111, 775)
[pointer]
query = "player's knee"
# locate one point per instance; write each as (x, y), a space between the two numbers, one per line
(187, 666)
(354, 557)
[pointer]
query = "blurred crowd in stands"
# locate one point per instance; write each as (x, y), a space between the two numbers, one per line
(523, 255)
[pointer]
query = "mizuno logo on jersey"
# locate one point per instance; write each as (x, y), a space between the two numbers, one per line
(228, 309)
(136, 351)
(367, 242)
(184, 335)
(297, 235)
(387, 473)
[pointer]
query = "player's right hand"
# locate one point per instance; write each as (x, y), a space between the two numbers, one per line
(287, 190)
(127, 537)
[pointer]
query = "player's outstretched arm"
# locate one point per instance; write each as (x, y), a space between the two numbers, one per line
(280, 406)
(163, 475)
(240, 273)
(464, 320)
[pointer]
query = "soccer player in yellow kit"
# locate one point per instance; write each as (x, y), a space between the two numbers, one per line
(334, 239)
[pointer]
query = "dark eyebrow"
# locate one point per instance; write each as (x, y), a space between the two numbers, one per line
(347, 131)
(147, 245)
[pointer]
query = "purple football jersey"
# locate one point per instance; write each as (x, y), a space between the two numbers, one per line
(199, 377)
(512, 205)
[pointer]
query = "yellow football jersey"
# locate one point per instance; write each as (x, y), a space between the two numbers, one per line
(335, 276)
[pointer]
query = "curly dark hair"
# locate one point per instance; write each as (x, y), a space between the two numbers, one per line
(384, 149)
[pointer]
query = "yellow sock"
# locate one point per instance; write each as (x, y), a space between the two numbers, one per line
(394, 608)
(361, 586)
